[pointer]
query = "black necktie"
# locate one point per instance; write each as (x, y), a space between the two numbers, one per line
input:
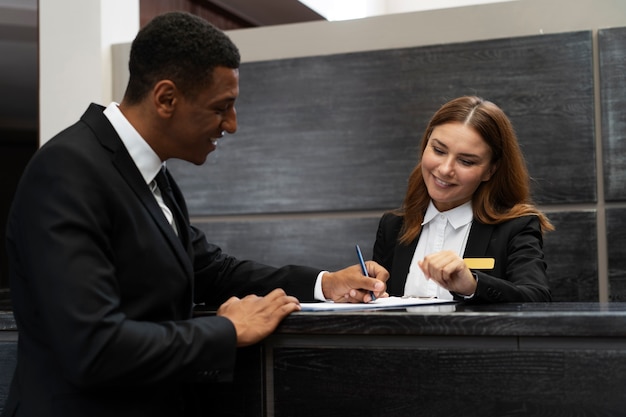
(169, 200)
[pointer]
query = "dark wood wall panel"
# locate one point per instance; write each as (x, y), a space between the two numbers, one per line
(612, 53)
(341, 132)
(323, 135)
(571, 252)
(616, 242)
(326, 243)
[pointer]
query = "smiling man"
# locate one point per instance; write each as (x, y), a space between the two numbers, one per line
(104, 265)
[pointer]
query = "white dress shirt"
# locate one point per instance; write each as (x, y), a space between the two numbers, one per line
(440, 231)
(146, 160)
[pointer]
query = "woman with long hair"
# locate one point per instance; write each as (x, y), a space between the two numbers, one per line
(468, 197)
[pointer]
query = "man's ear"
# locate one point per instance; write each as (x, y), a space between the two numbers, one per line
(165, 96)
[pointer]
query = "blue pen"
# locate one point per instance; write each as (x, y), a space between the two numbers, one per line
(364, 268)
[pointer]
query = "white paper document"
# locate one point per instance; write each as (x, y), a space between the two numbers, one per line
(380, 303)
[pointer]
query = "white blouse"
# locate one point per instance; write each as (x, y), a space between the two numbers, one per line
(447, 230)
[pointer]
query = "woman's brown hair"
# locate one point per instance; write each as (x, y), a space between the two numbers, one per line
(507, 193)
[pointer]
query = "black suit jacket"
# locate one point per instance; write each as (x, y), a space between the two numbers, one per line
(517, 246)
(103, 289)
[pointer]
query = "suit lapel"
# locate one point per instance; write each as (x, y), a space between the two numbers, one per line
(125, 165)
(183, 215)
(130, 173)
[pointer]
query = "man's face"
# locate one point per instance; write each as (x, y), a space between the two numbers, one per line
(199, 122)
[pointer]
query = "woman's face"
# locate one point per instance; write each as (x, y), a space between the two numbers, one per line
(456, 160)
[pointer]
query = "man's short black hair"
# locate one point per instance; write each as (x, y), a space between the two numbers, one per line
(180, 47)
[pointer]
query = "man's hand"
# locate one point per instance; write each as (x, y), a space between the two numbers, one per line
(350, 286)
(256, 317)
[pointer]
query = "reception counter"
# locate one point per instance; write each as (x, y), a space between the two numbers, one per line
(552, 359)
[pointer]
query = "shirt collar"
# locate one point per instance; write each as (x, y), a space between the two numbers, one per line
(146, 160)
(458, 216)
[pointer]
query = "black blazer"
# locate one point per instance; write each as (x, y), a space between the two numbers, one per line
(103, 289)
(517, 246)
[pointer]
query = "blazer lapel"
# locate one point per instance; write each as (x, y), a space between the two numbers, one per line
(121, 159)
(402, 257)
(478, 240)
(179, 200)
(477, 243)
(129, 171)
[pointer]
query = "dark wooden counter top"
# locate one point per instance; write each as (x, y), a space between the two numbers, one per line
(524, 319)
(511, 319)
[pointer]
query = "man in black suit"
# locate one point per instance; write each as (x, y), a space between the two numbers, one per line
(105, 267)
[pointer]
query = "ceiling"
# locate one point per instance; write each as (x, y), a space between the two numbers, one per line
(18, 49)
